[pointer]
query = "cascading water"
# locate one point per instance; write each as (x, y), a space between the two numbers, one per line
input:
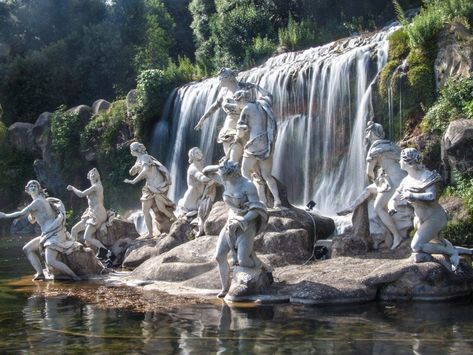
(322, 99)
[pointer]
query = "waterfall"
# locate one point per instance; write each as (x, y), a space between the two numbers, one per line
(322, 100)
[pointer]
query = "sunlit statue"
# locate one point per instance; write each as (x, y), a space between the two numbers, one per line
(200, 193)
(154, 192)
(258, 124)
(247, 217)
(382, 167)
(232, 143)
(94, 217)
(50, 214)
(419, 189)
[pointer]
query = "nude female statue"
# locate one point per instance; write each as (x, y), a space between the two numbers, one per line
(419, 189)
(384, 156)
(94, 216)
(258, 124)
(154, 192)
(49, 213)
(232, 144)
(200, 193)
(247, 217)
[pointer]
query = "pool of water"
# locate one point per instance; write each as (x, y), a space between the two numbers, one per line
(31, 323)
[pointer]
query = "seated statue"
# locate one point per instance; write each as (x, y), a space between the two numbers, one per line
(232, 143)
(383, 157)
(247, 217)
(258, 123)
(154, 192)
(50, 214)
(94, 217)
(419, 189)
(200, 193)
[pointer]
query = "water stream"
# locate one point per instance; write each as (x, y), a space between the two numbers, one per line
(322, 98)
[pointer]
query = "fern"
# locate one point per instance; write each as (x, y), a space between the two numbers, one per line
(400, 14)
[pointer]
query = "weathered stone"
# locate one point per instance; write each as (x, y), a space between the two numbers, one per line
(289, 247)
(181, 232)
(20, 136)
(49, 176)
(100, 106)
(117, 230)
(457, 145)
(248, 282)
(138, 252)
(22, 227)
(455, 54)
(41, 135)
(83, 262)
(84, 112)
(216, 219)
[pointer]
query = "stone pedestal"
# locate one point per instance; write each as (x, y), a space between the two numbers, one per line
(247, 283)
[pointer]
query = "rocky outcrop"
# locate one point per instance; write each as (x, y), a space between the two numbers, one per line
(83, 262)
(455, 54)
(457, 146)
(20, 136)
(100, 106)
(84, 112)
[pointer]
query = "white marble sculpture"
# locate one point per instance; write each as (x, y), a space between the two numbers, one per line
(419, 189)
(382, 167)
(247, 217)
(95, 216)
(258, 124)
(50, 214)
(154, 192)
(232, 144)
(200, 194)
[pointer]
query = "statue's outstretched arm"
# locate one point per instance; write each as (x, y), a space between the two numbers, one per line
(211, 172)
(216, 105)
(80, 193)
(142, 175)
(17, 214)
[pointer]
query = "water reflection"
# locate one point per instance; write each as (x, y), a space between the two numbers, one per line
(62, 323)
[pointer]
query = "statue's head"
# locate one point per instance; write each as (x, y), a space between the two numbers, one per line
(137, 148)
(242, 97)
(374, 131)
(226, 75)
(410, 157)
(33, 187)
(93, 175)
(228, 168)
(195, 154)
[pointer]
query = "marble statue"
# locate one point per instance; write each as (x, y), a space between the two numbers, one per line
(94, 217)
(258, 124)
(382, 167)
(200, 193)
(50, 214)
(232, 144)
(154, 192)
(247, 217)
(419, 189)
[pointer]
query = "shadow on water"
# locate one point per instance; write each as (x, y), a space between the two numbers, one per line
(31, 322)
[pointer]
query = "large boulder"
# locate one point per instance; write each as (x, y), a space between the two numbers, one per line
(20, 136)
(82, 261)
(42, 136)
(84, 112)
(100, 106)
(181, 232)
(131, 100)
(138, 252)
(457, 146)
(454, 55)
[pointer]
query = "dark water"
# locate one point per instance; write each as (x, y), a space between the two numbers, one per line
(35, 324)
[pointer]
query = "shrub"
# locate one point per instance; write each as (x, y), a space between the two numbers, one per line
(3, 134)
(297, 35)
(262, 48)
(459, 233)
(398, 45)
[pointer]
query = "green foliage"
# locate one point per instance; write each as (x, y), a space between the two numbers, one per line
(297, 34)
(459, 233)
(456, 10)
(421, 78)
(398, 45)
(3, 135)
(424, 29)
(261, 49)
(66, 128)
(454, 103)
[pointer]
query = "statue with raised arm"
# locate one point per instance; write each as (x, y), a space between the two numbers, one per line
(258, 124)
(50, 214)
(157, 182)
(232, 143)
(382, 167)
(200, 194)
(94, 217)
(419, 189)
(247, 217)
